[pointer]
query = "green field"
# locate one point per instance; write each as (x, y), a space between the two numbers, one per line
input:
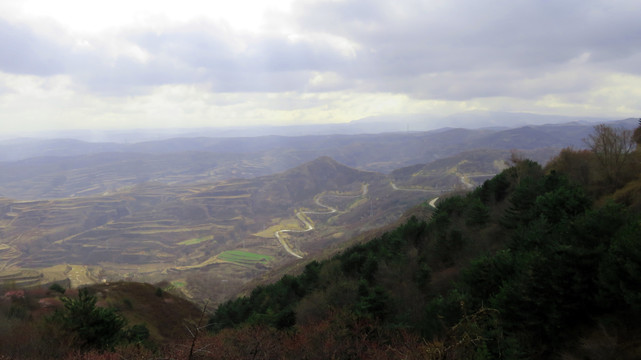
(196, 240)
(243, 257)
(178, 284)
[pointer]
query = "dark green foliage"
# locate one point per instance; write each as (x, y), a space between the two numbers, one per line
(354, 260)
(372, 302)
(515, 268)
(57, 288)
(310, 275)
(546, 282)
(486, 275)
(478, 213)
(596, 227)
(564, 263)
(231, 313)
(137, 334)
(91, 326)
(423, 275)
(522, 203)
(273, 304)
(369, 268)
(441, 313)
(561, 203)
(494, 190)
(448, 245)
(620, 272)
(445, 210)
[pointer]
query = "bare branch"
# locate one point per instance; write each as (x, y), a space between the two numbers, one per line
(198, 327)
(612, 147)
(188, 329)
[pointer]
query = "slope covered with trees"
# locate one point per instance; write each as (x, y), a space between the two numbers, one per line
(533, 264)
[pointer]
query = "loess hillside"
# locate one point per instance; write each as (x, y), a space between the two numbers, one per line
(222, 233)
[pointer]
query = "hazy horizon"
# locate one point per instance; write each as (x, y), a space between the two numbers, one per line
(369, 125)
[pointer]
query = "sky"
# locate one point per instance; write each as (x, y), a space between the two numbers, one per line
(117, 64)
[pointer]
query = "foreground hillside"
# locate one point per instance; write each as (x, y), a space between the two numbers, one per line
(41, 323)
(534, 264)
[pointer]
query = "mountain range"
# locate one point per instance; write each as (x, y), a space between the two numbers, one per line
(37, 169)
(192, 210)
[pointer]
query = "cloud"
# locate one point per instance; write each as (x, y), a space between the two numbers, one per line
(439, 55)
(515, 40)
(26, 52)
(376, 45)
(135, 60)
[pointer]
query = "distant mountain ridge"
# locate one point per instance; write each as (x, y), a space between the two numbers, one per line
(62, 168)
(368, 125)
(217, 140)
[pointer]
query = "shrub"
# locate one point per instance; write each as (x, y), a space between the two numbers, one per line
(90, 326)
(57, 288)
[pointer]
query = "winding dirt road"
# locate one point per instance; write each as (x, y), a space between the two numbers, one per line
(466, 182)
(308, 225)
(406, 189)
(432, 202)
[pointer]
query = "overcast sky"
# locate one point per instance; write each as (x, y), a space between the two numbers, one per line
(153, 64)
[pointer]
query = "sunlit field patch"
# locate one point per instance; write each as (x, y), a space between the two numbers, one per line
(195, 241)
(244, 257)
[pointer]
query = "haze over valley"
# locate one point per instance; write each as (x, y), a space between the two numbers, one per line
(202, 211)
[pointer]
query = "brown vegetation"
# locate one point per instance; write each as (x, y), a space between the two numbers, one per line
(153, 232)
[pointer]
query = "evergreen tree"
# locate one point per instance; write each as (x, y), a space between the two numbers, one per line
(89, 325)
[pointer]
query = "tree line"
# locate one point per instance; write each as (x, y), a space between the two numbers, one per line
(521, 267)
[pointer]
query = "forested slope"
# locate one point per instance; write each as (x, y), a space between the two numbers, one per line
(533, 264)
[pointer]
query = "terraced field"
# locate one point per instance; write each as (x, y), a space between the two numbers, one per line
(196, 241)
(244, 258)
(20, 278)
(155, 232)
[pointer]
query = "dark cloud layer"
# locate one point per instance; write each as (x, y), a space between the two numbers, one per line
(452, 49)
(506, 40)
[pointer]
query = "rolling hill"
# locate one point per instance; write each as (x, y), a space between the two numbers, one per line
(32, 169)
(186, 233)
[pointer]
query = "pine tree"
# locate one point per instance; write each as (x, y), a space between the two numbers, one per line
(91, 326)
